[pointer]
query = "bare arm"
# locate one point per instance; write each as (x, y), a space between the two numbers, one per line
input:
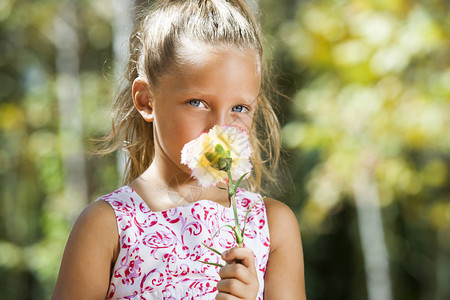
(91, 249)
(284, 278)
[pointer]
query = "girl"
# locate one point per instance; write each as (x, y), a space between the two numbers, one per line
(193, 64)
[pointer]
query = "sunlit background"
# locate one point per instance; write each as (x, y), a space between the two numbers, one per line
(366, 131)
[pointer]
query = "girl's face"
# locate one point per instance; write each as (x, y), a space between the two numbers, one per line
(211, 87)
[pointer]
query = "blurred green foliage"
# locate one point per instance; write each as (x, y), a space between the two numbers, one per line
(34, 227)
(370, 88)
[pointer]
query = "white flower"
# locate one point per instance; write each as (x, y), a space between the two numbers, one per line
(209, 163)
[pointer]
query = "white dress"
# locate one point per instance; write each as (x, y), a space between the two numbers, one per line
(160, 251)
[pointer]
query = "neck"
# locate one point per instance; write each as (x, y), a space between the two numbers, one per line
(164, 185)
(165, 173)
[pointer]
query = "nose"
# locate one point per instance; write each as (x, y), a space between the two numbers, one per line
(224, 118)
(220, 117)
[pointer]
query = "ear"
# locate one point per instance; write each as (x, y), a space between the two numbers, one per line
(142, 98)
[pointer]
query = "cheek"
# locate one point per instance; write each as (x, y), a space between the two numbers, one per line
(245, 122)
(181, 133)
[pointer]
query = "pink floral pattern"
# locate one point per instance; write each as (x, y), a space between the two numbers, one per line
(159, 251)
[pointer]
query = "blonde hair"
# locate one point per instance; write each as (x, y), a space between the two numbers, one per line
(155, 47)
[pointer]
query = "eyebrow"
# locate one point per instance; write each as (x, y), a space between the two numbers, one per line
(254, 100)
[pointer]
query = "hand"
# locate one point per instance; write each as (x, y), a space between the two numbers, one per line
(239, 277)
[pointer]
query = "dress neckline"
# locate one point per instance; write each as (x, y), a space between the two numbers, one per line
(187, 205)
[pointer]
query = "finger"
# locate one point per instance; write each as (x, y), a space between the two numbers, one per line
(232, 287)
(237, 271)
(225, 296)
(245, 256)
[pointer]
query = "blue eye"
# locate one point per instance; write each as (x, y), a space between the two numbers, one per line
(239, 108)
(196, 103)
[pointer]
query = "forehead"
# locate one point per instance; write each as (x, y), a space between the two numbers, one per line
(227, 71)
(193, 52)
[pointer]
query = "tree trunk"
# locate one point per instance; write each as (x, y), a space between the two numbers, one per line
(122, 24)
(70, 110)
(372, 236)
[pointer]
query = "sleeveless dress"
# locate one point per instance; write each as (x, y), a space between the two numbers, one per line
(160, 251)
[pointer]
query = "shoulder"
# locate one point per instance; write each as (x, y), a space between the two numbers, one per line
(283, 225)
(90, 251)
(278, 212)
(97, 227)
(273, 205)
(98, 215)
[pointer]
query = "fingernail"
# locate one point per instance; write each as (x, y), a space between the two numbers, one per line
(225, 253)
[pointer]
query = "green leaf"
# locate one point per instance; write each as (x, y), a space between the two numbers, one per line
(246, 215)
(212, 249)
(227, 225)
(211, 263)
(239, 181)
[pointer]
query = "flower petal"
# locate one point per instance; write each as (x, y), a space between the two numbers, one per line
(231, 138)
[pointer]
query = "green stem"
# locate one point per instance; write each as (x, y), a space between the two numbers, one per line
(232, 194)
